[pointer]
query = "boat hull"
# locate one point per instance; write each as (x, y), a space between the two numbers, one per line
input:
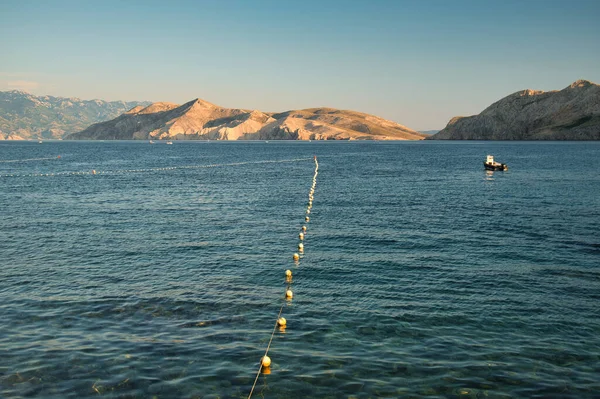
(496, 166)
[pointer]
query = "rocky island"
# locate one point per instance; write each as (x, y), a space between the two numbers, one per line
(569, 114)
(201, 120)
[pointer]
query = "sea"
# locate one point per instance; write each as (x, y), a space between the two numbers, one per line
(138, 270)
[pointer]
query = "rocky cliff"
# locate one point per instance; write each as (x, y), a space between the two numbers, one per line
(25, 116)
(201, 120)
(569, 114)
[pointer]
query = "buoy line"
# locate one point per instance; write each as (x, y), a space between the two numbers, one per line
(265, 361)
(146, 170)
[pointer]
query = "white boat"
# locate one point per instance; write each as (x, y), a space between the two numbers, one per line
(169, 142)
(151, 141)
(490, 164)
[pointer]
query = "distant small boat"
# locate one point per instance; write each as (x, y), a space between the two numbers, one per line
(39, 141)
(169, 142)
(490, 164)
(151, 142)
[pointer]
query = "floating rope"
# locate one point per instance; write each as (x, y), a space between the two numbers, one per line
(265, 361)
(142, 170)
(27, 160)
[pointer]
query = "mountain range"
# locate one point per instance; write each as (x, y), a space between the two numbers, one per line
(572, 113)
(201, 120)
(25, 116)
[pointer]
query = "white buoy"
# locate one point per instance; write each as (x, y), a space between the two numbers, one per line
(296, 257)
(266, 361)
(282, 321)
(307, 219)
(300, 247)
(289, 294)
(308, 211)
(301, 236)
(288, 273)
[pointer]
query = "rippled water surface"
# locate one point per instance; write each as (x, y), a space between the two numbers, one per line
(161, 273)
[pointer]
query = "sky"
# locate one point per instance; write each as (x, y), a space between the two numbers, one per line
(418, 63)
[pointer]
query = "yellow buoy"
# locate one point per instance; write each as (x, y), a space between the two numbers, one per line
(289, 294)
(282, 321)
(307, 219)
(296, 256)
(308, 211)
(303, 228)
(266, 361)
(93, 171)
(288, 273)
(300, 247)
(301, 236)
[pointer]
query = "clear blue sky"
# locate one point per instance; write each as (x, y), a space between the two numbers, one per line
(417, 62)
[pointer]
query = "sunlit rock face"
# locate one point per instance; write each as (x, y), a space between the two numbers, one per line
(201, 120)
(572, 113)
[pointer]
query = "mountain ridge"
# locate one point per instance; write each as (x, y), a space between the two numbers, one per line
(26, 116)
(199, 119)
(572, 113)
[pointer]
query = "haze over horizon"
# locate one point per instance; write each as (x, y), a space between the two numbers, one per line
(416, 63)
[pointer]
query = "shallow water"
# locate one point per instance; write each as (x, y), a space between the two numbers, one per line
(423, 275)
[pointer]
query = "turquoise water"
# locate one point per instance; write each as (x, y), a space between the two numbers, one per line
(424, 276)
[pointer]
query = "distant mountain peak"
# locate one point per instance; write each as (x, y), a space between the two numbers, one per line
(202, 103)
(581, 83)
(22, 92)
